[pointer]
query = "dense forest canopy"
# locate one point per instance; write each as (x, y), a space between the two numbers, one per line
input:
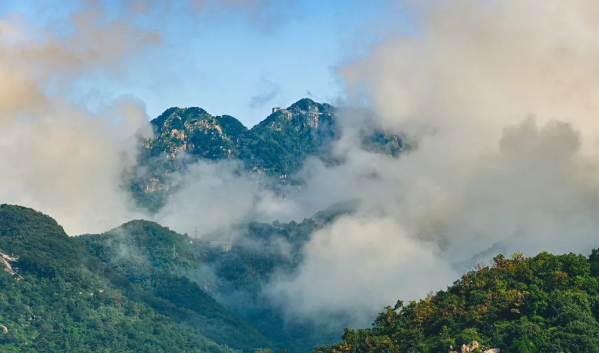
(63, 299)
(545, 303)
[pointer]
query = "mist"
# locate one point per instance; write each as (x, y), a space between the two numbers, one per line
(500, 98)
(58, 155)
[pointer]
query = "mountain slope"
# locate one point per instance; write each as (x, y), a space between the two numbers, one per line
(546, 303)
(158, 261)
(56, 297)
(189, 273)
(143, 287)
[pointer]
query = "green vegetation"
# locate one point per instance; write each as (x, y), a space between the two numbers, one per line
(144, 288)
(244, 271)
(280, 143)
(159, 261)
(188, 273)
(62, 299)
(546, 303)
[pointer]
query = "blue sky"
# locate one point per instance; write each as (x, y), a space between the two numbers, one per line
(237, 60)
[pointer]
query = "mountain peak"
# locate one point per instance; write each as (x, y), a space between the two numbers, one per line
(177, 117)
(304, 112)
(38, 240)
(22, 221)
(308, 105)
(195, 131)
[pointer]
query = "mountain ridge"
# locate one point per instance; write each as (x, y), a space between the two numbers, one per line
(62, 293)
(276, 147)
(234, 275)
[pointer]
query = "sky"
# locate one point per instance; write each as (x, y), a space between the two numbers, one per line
(233, 57)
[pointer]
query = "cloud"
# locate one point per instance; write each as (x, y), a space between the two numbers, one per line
(360, 263)
(482, 65)
(212, 196)
(501, 97)
(268, 91)
(56, 156)
(59, 156)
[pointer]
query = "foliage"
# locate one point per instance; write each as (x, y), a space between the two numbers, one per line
(63, 299)
(156, 260)
(188, 273)
(546, 303)
(144, 288)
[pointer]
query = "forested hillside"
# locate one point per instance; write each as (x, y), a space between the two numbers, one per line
(142, 287)
(543, 304)
(159, 261)
(56, 297)
(189, 273)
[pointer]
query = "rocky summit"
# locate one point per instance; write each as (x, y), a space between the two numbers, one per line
(278, 146)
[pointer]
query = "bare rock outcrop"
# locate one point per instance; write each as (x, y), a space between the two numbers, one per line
(6, 260)
(473, 347)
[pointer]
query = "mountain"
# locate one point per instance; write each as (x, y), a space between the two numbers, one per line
(144, 288)
(57, 297)
(278, 146)
(218, 283)
(158, 261)
(546, 303)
